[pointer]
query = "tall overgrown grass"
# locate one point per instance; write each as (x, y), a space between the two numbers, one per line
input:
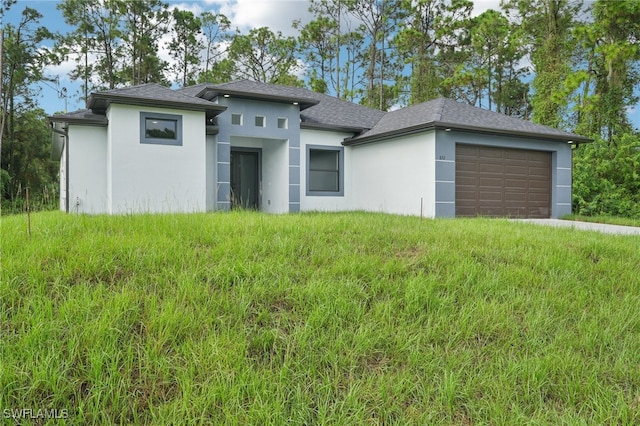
(352, 318)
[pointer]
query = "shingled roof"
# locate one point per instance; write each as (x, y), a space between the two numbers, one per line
(317, 110)
(449, 114)
(150, 94)
(84, 116)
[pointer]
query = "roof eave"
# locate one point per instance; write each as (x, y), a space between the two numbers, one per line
(79, 121)
(381, 136)
(569, 138)
(302, 102)
(93, 103)
(331, 127)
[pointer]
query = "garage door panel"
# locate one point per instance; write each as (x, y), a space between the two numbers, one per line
(495, 182)
(502, 182)
(486, 152)
(515, 154)
(490, 168)
(539, 185)
(490, 196)
(515, 183)
(515, 170)
(539, 197)
(518, 197)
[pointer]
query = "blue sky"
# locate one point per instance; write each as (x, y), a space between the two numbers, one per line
(244, 14)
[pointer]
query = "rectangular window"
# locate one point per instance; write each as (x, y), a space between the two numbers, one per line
(236, 119)
(260, 121)
(282, 123)
(160, 129)
(325, 174)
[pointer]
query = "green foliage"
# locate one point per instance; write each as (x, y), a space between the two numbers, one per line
(215, 30)
(26, 163)
(263, 55)
(185, 46)
(606, 179)
(144, 23)
(97, 32)
(242, 318)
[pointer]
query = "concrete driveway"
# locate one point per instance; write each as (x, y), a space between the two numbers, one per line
(585, 226)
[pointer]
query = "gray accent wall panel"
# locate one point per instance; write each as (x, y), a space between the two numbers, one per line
(224, 172)
(445, 209)
(294, 156)
(224, 191)
(294, 175)
(445, 170)
(294, 193)
(445, 191)
(224, 152)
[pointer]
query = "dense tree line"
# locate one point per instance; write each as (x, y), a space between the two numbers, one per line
(561, 63)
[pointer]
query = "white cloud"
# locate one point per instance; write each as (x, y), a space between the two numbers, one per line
(278, 15)
(193, 7)
(480, 6)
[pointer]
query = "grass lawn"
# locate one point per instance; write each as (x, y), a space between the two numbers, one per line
(353, 318)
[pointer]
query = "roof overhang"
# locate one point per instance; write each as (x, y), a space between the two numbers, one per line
(210, 93)
(86, 119)
(567, 138)
(330, 127)
(99, 102)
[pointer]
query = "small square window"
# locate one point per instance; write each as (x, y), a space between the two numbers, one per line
(282, 123)
(236, 119)
(260, 121)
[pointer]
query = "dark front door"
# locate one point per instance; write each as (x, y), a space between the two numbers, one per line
(245, 178)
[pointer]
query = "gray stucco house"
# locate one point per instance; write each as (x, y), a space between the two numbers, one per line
(285, 149)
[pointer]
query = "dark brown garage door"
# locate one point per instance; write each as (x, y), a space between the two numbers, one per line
(502, 182)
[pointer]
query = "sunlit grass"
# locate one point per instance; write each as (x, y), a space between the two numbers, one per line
(246, 318)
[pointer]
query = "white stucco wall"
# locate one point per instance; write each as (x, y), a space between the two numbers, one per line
(323, 202)
(88, 169)
(395, 176)
(151, 177)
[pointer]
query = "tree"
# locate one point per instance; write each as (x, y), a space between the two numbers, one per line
(23, 132)
(214, 30)
(378, 23)
(264, 56)
(185, 46)
(610, 74)
(97, 35)
(326, 34)
(488, 71)
(547, 35)
(144, 23)
(320, 52)
(433, 27)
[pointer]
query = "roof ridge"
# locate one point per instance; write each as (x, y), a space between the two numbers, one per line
(440, 110)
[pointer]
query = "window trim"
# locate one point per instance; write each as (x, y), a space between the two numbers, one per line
(264, 121)
(236, 114)
(160, 116)
(340, 151)
(284, 121)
